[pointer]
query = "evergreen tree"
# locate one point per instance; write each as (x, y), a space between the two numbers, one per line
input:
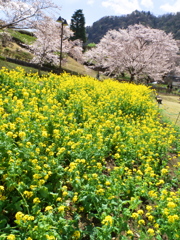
(78, 26)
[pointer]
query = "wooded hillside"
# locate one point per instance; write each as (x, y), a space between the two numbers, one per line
(168, 22)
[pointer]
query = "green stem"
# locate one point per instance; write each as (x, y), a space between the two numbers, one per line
(26, 205)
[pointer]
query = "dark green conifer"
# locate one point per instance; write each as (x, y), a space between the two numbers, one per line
(78, 26)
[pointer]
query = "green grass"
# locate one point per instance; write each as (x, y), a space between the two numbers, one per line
(171, 108)
(24, 38)
(75, 66)
(11, 66)
(71, 65)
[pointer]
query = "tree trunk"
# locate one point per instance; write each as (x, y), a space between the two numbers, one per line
(132, 78)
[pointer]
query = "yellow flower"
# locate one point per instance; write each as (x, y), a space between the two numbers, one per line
(108, 220)
(27, 218)
(33, 186)
(65, 194)
(150, 217)
(107, 183)
(48, 208)
(141, 222)
(9, 134)
(59, 199)
(140, 212)
(61, 208)
(152, 194)
(100, 191)
(64, 188)
(151, 231)
(149, 208)
(164, 171)
(50, 237)
(171, 205)
(94, 175)
(135, 215)
(81, 209)
(11, 237)
(1, 188)
(61, 150)
(44, 134)
(164, 192)
(36, 200)
(36, 176)
(75, 198)
(173, 218)
(161, 181)
(19, 215)
(76, 235)
(129, 232)
(116, 156)
(41, 181)
(117, 128)
(166, 211)
(22, 134)
(156, 225)
(28, 194)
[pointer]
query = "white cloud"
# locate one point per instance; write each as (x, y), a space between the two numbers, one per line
(90, 2)
(122, 6)
(147, 3)
(175, 7)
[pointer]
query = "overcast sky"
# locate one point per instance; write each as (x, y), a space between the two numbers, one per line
(93, 10)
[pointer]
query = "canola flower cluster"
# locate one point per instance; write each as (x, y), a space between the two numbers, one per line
(83, 159)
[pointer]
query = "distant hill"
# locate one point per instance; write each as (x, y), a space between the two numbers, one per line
(168, 22)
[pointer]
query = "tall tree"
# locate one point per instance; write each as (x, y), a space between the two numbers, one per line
(78, 26)
(141, 51)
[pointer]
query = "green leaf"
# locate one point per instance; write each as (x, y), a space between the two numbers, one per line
(44, 192)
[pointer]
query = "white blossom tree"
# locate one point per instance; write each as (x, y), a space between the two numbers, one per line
(138, 50)
(76, 50)
(21, 13)
(47, 47)
(44, 48)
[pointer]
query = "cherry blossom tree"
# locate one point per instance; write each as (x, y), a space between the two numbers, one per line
(76, 50)
(21, 13)
(47, 47)
(44, 48)
(138, 50)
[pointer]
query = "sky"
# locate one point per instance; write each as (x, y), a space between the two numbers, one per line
(93, 10)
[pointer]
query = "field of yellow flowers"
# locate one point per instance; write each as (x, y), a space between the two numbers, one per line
(84, 159)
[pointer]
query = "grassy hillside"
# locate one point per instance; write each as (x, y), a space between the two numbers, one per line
(75, 66)
(12, 66)
(171, 108)
(14, 50)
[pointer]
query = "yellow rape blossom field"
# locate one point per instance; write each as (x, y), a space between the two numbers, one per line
(84, 159)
